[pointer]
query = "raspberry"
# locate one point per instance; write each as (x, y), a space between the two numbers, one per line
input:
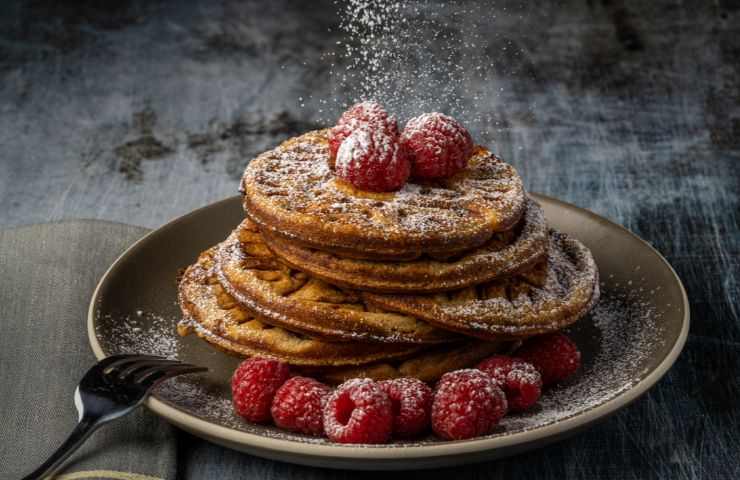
(411, 400)
(358, 411)
(372, 160)
(554, 355)
(439, 146)
(298, 405)
(253, 386)
(363, 113)
(519, 380)
(467, 403)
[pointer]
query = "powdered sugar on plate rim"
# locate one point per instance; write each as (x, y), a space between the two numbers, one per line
(616, 338)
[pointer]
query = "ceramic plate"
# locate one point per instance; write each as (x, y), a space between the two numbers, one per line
(628, 343)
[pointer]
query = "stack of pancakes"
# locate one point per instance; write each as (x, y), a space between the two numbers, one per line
(344, 283)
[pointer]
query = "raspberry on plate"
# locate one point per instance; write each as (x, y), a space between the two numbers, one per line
(438, 145)
(411, 400)
(371, 159)
(253, 387)
(298, 405)
(358, 411)
(363, 113)
(520, 381)
(555, 356)
(467, 403)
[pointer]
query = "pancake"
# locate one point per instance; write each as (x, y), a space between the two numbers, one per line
(280, 295)
(290, 191)
(217, 318)
(546, 298)
(506, 253)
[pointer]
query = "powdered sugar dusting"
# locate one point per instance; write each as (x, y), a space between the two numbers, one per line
(524, 374)
(505, 253)
(411, 387)
(369, 408)
(548, 297)
(619, 341)
(441, 122)
(294, 181)
(418, 56)
(142, 332)
(353, 148)
(371, 159)
(616, 341)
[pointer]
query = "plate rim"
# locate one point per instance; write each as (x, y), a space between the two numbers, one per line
(390, 452)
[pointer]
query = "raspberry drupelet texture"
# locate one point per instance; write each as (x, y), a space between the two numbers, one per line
(467, 403)
(299, 404)
(555, 356)
(438, 145)
(358, 411)
(361, 114)
(370, 159)
(411, 400)
(520, 381)
(253, 387)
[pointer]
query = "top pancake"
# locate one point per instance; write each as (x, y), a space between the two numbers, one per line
(292, 192)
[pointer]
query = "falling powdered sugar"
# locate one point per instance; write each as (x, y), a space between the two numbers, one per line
(420, 56)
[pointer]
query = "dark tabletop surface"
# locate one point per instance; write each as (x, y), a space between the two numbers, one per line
(143, 111)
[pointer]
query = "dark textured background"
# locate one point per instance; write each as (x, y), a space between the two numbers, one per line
(142, 111)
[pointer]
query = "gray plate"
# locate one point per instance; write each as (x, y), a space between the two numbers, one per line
(628, 343)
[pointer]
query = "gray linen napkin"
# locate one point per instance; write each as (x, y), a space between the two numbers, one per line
(47, 275)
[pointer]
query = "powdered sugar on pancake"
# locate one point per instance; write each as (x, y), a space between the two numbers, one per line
(504, 254)
(546, 298)
(294, 185)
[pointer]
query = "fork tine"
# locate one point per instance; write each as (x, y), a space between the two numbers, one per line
(138, 365)
(111, 362)
(107, 361)
(155, 375)
(116, 361)
(162, 368)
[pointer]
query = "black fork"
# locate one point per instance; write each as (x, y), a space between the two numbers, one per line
(112, 388)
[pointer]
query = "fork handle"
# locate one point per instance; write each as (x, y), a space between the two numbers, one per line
(86, 426)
